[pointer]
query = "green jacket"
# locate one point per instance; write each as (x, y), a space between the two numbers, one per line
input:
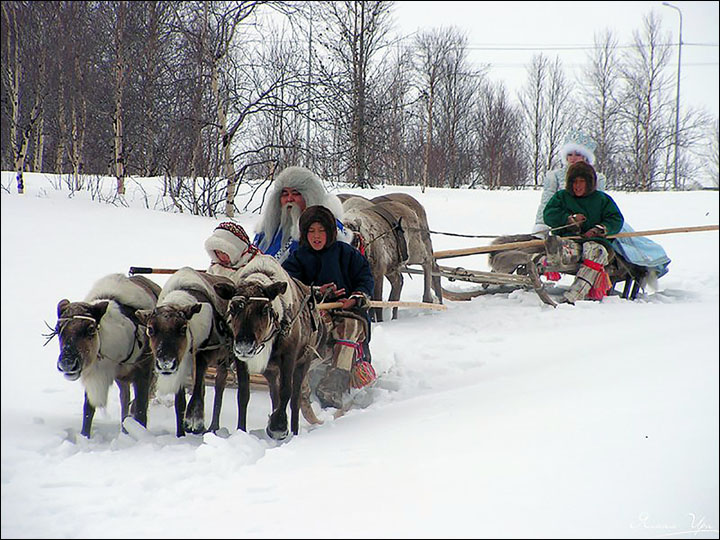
(598, 207)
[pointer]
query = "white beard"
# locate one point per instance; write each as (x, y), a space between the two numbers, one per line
(290, 222)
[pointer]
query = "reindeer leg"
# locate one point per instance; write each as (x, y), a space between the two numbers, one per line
(377, 313)
(88, 413)
(295, 396)
(277, 427)
(195, 414)
(124, 388)
(272, 377)
(396, 285)
(141, 384)
(436, 282)
(180, 412)
(220, 381)
(427, 281)
(305, 404)
(243, 393)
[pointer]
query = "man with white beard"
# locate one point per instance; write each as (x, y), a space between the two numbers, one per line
(294, 189)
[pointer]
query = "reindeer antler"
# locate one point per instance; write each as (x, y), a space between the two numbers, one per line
(53, 332)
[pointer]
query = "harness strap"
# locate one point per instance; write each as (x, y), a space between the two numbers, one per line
(219, 328)
(396, 227)
(85, 317)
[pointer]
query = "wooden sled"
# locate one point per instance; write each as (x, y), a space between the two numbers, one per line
(527, 277)
(492, 282)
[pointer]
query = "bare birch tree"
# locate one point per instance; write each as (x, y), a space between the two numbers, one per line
(499, 152)
(460, 84)
(559, 109)
(532, 102)
(600, 104)
(120, 69)
(432, 50)
(354, 35)
(646, 104)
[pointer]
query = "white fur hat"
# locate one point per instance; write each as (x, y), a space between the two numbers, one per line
(310, 187)
(233, 240)
(581, 143)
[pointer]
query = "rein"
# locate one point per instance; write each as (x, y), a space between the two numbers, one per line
(287, 326)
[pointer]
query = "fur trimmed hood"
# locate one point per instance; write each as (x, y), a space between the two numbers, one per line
(579, 142)
(310, 187)
(232, 239)
(584, 170)
(318, 214)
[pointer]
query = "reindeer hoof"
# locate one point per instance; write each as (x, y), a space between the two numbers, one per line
(277, 435)
(194, 426)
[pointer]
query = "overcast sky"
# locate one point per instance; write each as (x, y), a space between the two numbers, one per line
(539, 26)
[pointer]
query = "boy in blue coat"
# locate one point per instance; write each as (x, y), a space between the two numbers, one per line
(337, 270)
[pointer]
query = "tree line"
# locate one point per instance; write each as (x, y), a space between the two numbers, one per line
(217, 95)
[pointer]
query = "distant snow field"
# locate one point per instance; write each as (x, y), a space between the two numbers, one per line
(500, 417)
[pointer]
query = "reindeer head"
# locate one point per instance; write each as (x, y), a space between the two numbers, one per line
(251, 315)
(168, 333)
(77, 331)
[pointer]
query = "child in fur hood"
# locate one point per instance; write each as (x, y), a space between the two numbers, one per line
(339, 270)
(229, 249)
(581, 209)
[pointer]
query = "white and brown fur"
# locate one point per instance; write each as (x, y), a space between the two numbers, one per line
(101, 341)
(382, 249)
(187, 334)
(507, 261)
(276, 333)
(309, 184)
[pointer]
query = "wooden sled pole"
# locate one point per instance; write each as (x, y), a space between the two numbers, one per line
(450, 253)
(388, 304)
(147, 270)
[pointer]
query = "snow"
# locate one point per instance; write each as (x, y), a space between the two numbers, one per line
(500, 417)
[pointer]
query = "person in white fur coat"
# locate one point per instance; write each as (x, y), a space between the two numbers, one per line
(294, 189)
(577, 147)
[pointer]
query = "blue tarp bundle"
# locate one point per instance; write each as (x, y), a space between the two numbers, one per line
(642, 251)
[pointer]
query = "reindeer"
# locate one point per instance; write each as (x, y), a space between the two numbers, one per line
(276, 332)
(187, 333)
(394, 235)
(102, 340)
(424, 232)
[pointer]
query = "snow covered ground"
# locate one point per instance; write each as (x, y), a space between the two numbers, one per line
(500, 417)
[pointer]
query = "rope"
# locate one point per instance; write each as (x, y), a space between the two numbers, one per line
(420, 229)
